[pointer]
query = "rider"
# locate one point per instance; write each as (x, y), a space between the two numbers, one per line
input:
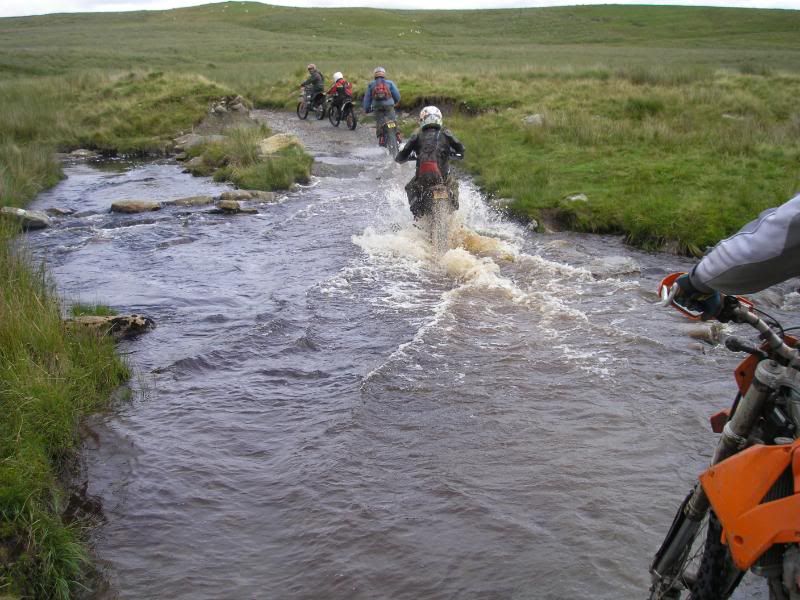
(764, 252)
(315, 83)
(432, 144)
(341, 90)
(381, 97)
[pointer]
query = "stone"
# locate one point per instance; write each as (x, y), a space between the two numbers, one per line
(229, 206)
(277, 142)
(577, 198)
(83, 153)
(191, 201)
(118, 326)
(135, 206)
(232, 207)
(28, 219)
(259, 195)
(59, 212)
(536, 120)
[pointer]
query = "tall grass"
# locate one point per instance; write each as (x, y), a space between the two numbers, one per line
(49, 379)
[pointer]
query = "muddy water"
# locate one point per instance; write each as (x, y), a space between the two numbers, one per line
(326, 410)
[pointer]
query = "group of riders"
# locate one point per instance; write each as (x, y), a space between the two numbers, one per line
(431, 145)
(764, 252)
(761, 254)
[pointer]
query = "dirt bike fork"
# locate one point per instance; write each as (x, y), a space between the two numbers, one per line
(668, 559)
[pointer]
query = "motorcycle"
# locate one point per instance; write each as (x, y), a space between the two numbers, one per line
(309, 101)
(435, 207)
(744, 512)
(346, 113)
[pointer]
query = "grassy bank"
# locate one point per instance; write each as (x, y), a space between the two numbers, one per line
(677, 123)
(49, 379)
(239, 160)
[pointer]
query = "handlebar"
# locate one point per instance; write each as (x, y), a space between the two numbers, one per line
(740, 310)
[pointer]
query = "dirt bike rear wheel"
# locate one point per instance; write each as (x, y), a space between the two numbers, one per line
(391, 141)
(302, 110)
(350, 118)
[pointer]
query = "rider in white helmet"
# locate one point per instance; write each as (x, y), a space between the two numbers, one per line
(432, 144)
(340, 91)
(381, 97)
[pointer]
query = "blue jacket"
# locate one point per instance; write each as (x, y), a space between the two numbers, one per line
(369, 105)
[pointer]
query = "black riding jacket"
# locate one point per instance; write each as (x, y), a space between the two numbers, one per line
(431, 143)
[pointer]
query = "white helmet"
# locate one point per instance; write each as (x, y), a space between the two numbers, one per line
(379, 72)
(430, 115)
(337, 76)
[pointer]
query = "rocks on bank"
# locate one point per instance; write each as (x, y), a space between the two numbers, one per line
(117, 326)
(27, 219)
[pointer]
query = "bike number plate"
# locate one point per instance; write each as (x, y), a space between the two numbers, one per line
(391, 125)
(440, 195)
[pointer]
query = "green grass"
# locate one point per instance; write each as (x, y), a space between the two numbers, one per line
(49, 379)
(237, 160)
(96, 310)
(679, 124)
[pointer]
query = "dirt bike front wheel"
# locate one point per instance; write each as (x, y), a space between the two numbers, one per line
(302, 110)
(334, 115)
(703, 569)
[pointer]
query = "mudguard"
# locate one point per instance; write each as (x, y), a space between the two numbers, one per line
(736, 487)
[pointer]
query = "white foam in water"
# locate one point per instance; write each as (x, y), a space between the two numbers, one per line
(481, 243)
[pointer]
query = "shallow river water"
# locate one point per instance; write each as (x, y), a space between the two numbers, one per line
(327, 411)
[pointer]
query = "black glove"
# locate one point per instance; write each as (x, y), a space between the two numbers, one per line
(688, 296)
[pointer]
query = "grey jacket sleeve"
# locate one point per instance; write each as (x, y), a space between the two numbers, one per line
(764, 252)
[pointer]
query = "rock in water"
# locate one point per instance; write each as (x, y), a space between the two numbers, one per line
(277, 142)
(29, 219)
(135, 206)
(119, 326)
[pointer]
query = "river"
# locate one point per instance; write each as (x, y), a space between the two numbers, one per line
(327, 411)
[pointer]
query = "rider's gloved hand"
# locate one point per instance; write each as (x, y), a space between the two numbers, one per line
(709, 304)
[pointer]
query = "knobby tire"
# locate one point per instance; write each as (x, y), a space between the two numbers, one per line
(717, 576)
(302, 110)
(391, 141)
(334, 115)
(705, 571)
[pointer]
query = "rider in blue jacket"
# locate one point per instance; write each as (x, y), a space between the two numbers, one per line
(381, 97)
(764, 252)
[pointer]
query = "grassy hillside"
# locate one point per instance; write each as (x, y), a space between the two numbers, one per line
(661, 115)
(678, 124)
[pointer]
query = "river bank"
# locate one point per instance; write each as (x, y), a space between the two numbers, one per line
(52, 376)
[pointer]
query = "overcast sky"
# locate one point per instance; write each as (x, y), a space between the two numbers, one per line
(14, 8)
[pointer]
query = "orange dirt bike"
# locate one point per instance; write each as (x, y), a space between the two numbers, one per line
(311, 102)
(744, 512)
